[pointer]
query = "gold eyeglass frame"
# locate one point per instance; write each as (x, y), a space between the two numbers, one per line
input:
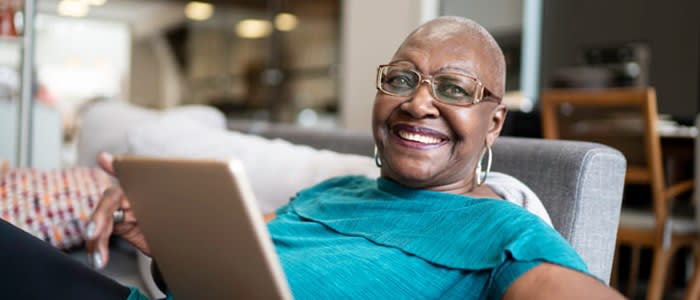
(482, 93)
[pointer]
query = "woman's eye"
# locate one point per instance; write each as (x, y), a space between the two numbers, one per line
(453, 91)
(400, 81)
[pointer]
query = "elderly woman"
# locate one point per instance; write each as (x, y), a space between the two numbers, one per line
(428, 227)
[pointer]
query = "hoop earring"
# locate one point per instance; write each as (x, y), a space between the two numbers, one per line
(480, 176)
(377, 160)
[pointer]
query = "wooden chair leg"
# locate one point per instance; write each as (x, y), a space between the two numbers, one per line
(659, 268)
(614, 278)
(692, 292)
(634, 272)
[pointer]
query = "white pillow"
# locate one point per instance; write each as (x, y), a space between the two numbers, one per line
(105, 125)
(276, 168)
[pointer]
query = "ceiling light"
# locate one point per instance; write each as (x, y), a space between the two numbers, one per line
(96, 2)
(286, 22)
(253, 28)
(72, 8)
(199, 11)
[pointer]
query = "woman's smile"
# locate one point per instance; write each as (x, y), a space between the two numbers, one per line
(418, 137)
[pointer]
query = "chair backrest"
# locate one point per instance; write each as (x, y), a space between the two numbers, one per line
(623, 118)
(579, 183)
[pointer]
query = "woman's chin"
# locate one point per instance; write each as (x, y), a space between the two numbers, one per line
(410, 176)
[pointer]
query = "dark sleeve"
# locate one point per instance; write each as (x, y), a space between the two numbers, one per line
(33, 269)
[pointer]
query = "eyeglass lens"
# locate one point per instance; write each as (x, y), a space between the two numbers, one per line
(449, 88)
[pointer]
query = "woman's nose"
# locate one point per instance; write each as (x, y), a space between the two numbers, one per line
(421, 104)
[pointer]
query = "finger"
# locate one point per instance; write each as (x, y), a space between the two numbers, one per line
(106, 162)
(101, 254)
(124, 202)
(99, 227)
(110, 201)
(98, 244)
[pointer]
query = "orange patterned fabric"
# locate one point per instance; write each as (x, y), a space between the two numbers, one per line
(4, 165)
(53, 205)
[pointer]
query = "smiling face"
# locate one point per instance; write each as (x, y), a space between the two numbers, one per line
(424, 143)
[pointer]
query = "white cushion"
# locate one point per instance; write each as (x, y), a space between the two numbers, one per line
(104, 125)
(276, 169)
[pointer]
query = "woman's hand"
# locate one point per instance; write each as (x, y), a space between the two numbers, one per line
(101, 224)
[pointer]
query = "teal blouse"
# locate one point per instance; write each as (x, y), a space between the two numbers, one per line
(358, 238)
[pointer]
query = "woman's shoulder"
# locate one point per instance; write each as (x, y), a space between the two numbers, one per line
(513, 190)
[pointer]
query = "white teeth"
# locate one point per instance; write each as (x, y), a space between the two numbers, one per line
(425, 139)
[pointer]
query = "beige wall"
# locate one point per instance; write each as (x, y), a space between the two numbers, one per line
(144, 75)
(370, 35)
(155, 78)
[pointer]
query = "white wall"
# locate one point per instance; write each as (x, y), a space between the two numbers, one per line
(81, 58)
(76, 59)
(370, 35)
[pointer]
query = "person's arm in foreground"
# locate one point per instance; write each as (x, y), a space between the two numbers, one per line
(549, 281)
(33, 269)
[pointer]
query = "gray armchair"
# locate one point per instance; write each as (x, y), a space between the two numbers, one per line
(579, 183)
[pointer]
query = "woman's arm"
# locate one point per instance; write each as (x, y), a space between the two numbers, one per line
(549, 281)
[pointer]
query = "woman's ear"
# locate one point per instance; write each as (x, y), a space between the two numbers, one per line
(498, 116)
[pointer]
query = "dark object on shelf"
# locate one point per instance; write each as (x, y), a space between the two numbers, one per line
(628, 63)
(582, 77)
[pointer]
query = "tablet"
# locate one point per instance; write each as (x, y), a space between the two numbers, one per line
(203, 226)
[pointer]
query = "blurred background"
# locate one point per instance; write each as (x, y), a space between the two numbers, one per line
(312, 63)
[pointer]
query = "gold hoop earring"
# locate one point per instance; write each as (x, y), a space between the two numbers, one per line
(479, 175)
(377, 160)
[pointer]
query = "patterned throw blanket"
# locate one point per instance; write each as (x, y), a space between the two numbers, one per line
(52, 205)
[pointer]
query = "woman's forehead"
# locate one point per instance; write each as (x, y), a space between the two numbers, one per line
(464, 49)
(430, 58)
(457, 67)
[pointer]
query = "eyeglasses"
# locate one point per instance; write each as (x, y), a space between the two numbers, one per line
(449, 88)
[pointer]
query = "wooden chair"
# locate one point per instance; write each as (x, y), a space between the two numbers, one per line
(608, 117)
(693, 291)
